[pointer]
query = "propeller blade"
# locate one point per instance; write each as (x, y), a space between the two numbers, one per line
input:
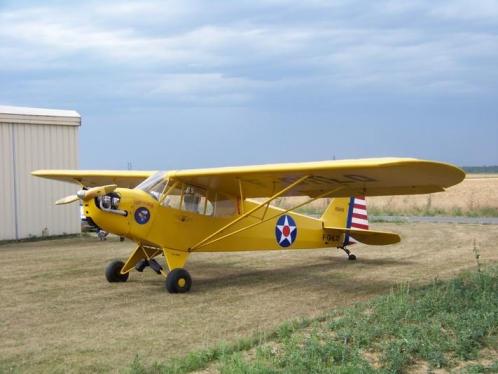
(67, 200)
(96, 191)
(86, 195)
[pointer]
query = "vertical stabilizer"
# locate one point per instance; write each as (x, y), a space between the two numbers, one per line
(336, 214)
(350, 213)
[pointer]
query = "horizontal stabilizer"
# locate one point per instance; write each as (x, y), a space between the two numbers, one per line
(366, 236)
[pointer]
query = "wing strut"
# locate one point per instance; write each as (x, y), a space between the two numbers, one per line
(213, 239)
(246, 214)
(241, 190)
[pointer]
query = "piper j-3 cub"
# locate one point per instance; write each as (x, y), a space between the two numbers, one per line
(177, 213)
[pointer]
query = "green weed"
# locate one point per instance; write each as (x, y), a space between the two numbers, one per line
(439, 324)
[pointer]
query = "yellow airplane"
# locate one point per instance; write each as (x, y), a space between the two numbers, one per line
(177, 213)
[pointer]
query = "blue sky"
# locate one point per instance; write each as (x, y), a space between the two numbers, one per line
(180, 84)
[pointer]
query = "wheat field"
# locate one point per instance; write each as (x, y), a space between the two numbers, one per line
(477, 195)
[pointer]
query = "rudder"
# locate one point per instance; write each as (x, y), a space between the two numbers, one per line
(357, 217)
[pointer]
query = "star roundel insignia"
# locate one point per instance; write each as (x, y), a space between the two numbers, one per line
(142, 215)
(286, 231)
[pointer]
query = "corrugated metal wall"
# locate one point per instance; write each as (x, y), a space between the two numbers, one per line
(27, 202)
(7, 211)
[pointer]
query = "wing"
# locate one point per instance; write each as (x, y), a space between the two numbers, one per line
(363, 177)
(93, 178)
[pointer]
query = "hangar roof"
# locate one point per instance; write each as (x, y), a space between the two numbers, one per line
(41, 116)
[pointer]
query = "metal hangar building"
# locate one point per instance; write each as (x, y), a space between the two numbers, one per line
(31, 139)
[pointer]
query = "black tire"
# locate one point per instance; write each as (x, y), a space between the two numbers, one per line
(352, 257)
(113, 272)
(178, 281)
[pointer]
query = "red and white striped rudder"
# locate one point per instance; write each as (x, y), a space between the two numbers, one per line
(357, 217)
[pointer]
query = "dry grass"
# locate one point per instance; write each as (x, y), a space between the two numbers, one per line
(476, 192)
(476, 195)
(59, 314)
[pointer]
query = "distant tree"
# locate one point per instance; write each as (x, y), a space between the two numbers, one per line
(481, 169)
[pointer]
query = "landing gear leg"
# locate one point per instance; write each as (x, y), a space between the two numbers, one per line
(351, 257)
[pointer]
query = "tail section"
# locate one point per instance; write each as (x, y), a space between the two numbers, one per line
(349, 216)
(348, 213)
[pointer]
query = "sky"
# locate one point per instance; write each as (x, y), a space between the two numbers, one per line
(187, 84)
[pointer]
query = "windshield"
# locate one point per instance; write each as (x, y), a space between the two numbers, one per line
(154, 185)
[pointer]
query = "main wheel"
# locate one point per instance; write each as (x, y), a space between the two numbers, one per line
(113, 272)
(178, 281)
(352, 257)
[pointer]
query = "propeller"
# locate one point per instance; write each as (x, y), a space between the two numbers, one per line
(86, 195)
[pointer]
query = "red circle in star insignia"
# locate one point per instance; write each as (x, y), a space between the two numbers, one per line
(286, 231)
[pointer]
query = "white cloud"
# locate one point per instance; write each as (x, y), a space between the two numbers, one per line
(482, 10)
(195, 55)
(204, 88)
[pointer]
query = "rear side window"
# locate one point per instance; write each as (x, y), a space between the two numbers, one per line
(224, 206)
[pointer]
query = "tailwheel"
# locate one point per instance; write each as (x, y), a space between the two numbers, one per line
(113, 272)
(178, 281)
(351, 257)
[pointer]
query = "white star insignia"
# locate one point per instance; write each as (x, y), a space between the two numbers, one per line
(281, 229)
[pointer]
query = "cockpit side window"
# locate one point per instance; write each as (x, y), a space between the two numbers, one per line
(174, 197)
(189, 198)
(198, 200)
(225, 206)
(192, 197)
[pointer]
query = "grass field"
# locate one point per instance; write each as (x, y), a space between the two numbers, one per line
(476, 196)
(440, 327)
(59, 314)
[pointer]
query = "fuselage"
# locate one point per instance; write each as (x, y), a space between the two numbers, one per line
(150, 223)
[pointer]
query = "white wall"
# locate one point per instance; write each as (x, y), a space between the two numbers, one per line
(7, 211)
(26, 202)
